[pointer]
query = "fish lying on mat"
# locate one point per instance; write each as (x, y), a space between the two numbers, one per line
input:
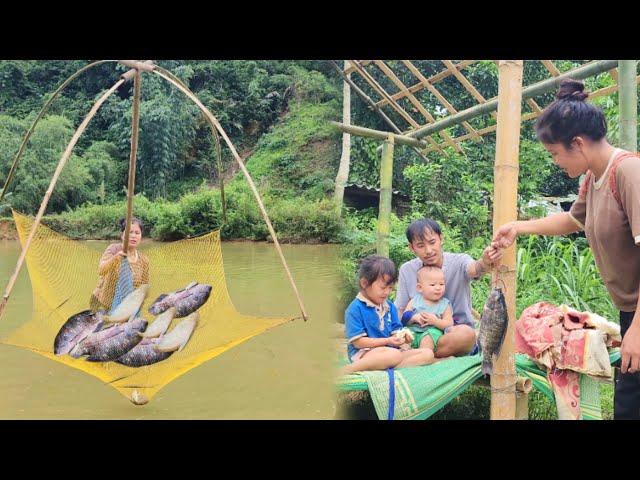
(154, 350)
(186, 301)
(76, 329)
(110, 343)
(493, 327)
(129, 305)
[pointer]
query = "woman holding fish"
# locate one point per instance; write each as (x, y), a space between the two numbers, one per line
(109, 267)
(607, 209)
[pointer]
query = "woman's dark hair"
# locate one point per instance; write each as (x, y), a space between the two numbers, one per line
(122, 223)
(570, 116)
(374, 267)
(416, 229)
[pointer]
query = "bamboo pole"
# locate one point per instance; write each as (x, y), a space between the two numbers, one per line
(44, 109)
(372, 104)
(505, 209)
(532, 91)
(380, 135)
(628, 105)
(343, 169)
(168, 76)
(384, 209)
(54, 180)
(135, 121)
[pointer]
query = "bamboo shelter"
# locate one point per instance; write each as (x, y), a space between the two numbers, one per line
(409, 100)
(60, 268)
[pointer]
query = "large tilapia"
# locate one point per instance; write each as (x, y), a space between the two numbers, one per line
(179, 336)
(110, 343)
(76, 329)
(493, 326)
(160, 324)
(186, 301)
(144, 353)
(129, 305)
(154, 350)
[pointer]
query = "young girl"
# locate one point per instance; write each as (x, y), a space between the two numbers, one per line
(428, 313)
(109, 268)
(371, 321)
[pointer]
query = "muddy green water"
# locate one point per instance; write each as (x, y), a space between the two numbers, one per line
(284, 373)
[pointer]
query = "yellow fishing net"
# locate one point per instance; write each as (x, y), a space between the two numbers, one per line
(63, 274)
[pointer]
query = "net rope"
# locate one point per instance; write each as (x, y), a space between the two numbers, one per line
(63, 275)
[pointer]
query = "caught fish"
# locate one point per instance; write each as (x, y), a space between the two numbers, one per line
(160, 324)
(186, 301)
(129, 305)
(111, 343)
(493, 327)
(76, 329)
(154, 350)
(144, 353)
(177, 338)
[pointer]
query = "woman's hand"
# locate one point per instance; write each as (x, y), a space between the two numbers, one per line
(630, 349)
(122, 254)
(505, 236)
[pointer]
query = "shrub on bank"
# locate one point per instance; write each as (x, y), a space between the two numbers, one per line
(295, 220)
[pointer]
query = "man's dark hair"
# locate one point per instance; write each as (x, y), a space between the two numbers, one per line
(569, 116)
(376, 266)
(417, 228)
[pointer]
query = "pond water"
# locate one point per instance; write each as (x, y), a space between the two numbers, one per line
(284, 373)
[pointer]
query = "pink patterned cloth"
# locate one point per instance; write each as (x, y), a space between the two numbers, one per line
(567, 343)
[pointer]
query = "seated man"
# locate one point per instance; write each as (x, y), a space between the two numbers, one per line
(425, 241)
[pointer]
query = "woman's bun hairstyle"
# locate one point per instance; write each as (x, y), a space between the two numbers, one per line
(572, 90)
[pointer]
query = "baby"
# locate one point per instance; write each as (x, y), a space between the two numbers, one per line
(428, 313)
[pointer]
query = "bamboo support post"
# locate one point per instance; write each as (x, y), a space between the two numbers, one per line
(161, 72)
(628, 98)
(44, 110)
(522, 406)
(384, 209)
(503, 379)
(135, 121)
(343, 170)
(380, 135)
(532, 91)
(54, 180)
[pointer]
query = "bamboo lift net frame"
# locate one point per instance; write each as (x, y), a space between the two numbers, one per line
(427, 134)
(135, 73)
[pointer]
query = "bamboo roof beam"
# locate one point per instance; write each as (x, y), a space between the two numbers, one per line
(433, 79)
(412, 68)
(532, 91)
(381, 91)
(530, 116)
(371, 103)
(379, 135)
(352, 68)
(414, 101)
(466, 83)
(548, 64)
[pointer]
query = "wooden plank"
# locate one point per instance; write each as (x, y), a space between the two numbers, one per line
(414, 101)
(412, 68)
